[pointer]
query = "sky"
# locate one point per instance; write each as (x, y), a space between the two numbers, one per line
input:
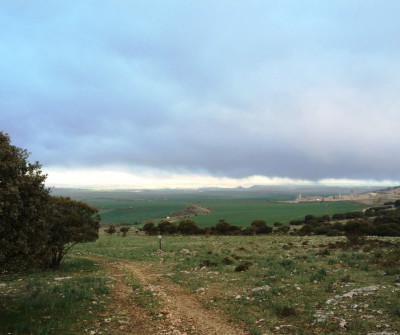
(147, 94)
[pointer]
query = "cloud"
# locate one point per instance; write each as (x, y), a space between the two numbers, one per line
(303, 91)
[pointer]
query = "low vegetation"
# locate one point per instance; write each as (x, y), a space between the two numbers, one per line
(66, 301)
(277, 283)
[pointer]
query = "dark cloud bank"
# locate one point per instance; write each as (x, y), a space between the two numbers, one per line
(306, 90)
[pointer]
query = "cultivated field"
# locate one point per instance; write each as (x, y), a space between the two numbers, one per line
(237, 207)
(240, 212)
(243, 212)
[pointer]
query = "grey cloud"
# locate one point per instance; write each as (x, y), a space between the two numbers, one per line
(291, 90)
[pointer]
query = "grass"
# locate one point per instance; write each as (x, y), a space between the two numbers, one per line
(36, 303)
(243, 212)
(130, 207)
(131, 211)
(284, 288)
(287, 283)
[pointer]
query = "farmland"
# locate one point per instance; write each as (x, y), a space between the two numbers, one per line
(242, 213)
(238, 208)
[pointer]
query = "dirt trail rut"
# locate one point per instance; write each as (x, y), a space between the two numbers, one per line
(180, 312)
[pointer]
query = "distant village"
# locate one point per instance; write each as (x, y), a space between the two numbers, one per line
(370, 198)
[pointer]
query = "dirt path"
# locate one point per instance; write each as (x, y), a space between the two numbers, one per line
(180, 312)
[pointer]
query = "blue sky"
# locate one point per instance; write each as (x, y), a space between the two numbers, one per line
(203, 93)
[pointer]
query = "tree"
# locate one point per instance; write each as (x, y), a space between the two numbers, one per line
(23, 207)
(260, 227)
(70, 222)
(124, 231)
(149, 228)
(111, 230)
(166, 227)
(188, 227)
(36, 229)
(357, 229)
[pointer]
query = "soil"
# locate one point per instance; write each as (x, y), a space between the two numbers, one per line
(180, 312)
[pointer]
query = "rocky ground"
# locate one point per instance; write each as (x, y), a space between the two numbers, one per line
(178, 312)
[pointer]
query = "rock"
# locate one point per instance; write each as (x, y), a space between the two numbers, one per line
(343, 323)
(184, 252)
(320, 317)
(364, 290)
(201, 290)
(261, 288)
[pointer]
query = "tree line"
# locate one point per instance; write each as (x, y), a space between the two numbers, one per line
(36, 228)
(377, 221)
(189, 227)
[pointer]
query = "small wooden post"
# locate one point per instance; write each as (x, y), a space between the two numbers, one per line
(159, 239)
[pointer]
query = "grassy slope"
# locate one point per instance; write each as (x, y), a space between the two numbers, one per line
(302, 273)
(53, 302)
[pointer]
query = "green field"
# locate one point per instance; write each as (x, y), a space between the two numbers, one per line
(236, 207)
(242, 213)
(131, 211)
(237, 212)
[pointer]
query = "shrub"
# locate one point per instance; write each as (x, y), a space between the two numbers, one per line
(243, 267)
(225, 228)
(282, 230)
(188, 227)
(392, 272)
(149, 228)
(227, 261)
(167, 227)
(325, 218)
(334, 232)
(323, 229)
(110, 230)
(319, 276)
(207, 263)
(124, 231)
(296, 222)
(338, 216)
(260, 227)
(283, 310)
(354, 215)
(307, 229)
(309, 218)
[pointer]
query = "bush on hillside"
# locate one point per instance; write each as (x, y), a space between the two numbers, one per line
(167, 227)
(260, 227)
(225, 228)
(189, 227)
